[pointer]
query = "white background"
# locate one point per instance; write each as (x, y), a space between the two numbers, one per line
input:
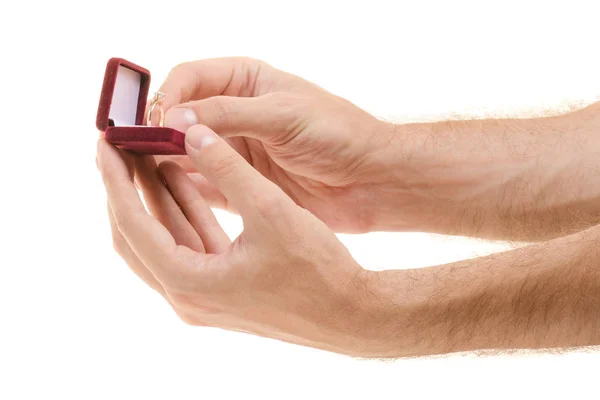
(75, 323)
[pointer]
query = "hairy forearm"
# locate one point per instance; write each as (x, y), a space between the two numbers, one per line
(516, 179)
(543, 296)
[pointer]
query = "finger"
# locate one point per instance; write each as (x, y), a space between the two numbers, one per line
(207, 190)
(129, 159)
(195, 208)
(211, 194)
(238, 143)
(150, 241)
(246, 189)
(121, 246)
(273, 118)
(162, 205)
(182, 161)
(234, 76)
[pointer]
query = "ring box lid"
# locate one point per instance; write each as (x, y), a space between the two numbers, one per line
(124, 95)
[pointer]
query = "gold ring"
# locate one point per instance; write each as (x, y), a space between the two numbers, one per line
(156, 101)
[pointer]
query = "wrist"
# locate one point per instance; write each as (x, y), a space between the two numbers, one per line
(386, 323)
(397, 183)
(539, 296)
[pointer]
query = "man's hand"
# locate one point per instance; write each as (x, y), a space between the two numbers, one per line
(319, 148)
(285, 277)
(518, 179)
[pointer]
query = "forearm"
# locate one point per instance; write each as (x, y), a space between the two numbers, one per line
(518, 179)
(543, 296)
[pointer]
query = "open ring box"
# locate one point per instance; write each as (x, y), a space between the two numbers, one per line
(121, 112)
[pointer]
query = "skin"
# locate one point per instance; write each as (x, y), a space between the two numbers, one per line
(516, 179)
(297, 163)
(277, 121)
(545, 296)
(283, 277)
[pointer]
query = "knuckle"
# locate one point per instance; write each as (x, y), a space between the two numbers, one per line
(285, 103)
(288, 109)
(248, 70)
(249, 62)
(119, 244)
(183, 67)
(226, 166)
(128, 222)
(270, 206)
(123, 221)
(222, 111)
(189, 204)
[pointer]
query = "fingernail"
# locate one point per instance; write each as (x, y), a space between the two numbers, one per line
(200, 136)
(180, 118)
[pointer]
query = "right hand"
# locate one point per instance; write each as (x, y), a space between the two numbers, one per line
(322, 150)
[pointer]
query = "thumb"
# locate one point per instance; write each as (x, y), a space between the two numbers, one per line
(244, 187)
(269, 117)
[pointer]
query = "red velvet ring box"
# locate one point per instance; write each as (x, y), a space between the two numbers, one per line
(121, 112)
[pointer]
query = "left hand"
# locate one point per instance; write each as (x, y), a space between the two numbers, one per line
(285, 277)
